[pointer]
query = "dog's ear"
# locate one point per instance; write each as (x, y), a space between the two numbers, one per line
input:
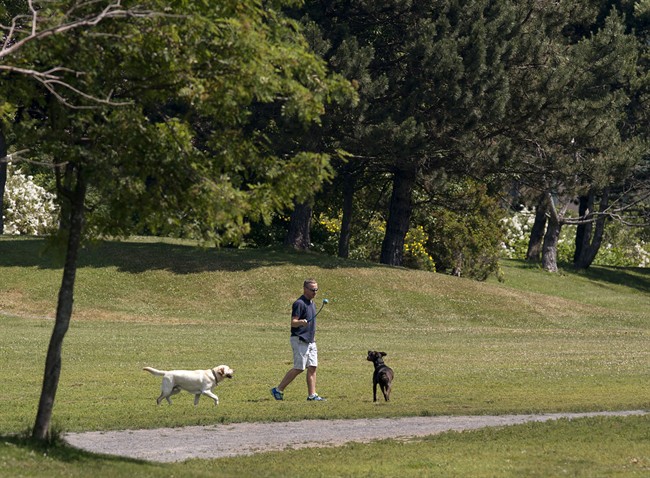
(225, 371)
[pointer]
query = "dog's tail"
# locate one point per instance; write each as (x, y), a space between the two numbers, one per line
(154, 371)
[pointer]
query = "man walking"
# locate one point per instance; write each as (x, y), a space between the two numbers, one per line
(303, 343)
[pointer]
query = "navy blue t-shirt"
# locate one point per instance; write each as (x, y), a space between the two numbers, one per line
(304, 309)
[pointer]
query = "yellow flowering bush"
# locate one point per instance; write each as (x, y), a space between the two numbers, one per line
(366, 241)
(415, 252)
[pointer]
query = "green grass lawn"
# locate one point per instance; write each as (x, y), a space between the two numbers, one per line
(538, 342)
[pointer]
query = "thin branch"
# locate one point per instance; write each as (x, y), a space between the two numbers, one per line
(50, 79)
(113, 10)
(16, 157)
(13, 156)
(53, 79)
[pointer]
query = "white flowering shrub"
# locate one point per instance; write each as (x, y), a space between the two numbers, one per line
(28, 208)
(623, 253)
(622, 246)
(517, 228)
(642, 250)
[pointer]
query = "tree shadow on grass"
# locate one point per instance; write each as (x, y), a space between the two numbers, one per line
(135, 257)
(138, 257)
(58, 450)
(633, 277)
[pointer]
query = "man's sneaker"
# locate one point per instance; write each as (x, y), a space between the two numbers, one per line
(315, 398)
(277, 394)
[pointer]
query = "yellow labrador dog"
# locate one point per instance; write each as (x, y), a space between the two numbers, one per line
(197, 382)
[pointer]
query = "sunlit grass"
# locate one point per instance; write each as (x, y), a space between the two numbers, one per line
(538, 342)
(588, 447)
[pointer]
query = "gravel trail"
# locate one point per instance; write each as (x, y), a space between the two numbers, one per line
(219, 441)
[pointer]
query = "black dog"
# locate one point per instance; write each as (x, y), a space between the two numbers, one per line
(383, 375)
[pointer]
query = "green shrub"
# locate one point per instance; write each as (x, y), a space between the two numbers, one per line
(466, 238)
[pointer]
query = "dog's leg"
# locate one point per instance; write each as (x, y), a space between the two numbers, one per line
(167, 389)
(166, 397)
(196, 399)
(385, 389)
(374, 391)
(164, 392)
(174, 391)
(212, 396)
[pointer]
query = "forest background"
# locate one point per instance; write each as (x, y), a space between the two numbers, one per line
(457, 126)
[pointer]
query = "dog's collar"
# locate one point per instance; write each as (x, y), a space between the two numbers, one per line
(216, 380)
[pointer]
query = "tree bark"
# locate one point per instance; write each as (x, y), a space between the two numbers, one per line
(549, 247)
(52, 373)
(534, 252)
(589, 238)
(583, 231)
(346, 220)
(3, 178)
(399, 217)
(299, 236)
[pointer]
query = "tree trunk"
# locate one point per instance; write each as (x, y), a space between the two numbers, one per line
(64, 181)
(583, 232)
(346, 221)
(63, 312)
(537, 233)
(549, 248)
(3, 178)
(590, 238)
(299, 236)
(399, 216)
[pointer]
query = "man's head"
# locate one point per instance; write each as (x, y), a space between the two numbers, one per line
(310, 287)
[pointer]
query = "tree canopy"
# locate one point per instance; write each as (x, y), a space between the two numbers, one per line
(530, 96)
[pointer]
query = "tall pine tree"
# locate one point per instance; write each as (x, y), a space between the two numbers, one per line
(434, 85)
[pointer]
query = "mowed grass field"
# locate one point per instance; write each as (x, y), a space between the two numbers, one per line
(538, 342)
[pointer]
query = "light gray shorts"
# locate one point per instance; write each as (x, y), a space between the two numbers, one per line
(304, 354)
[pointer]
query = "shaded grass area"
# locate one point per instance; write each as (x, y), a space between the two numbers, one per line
(609, 287)
(141, 281)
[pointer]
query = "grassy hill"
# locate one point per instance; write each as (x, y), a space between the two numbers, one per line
(536, 342)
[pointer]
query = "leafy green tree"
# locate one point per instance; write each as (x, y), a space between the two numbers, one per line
(464, 230)
(180, 154)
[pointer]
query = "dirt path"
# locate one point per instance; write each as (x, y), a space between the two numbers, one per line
(218, 441)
